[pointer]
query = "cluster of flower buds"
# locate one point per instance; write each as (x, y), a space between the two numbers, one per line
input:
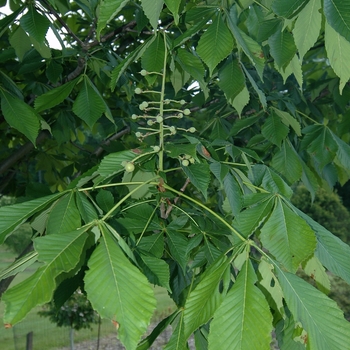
(156, 112)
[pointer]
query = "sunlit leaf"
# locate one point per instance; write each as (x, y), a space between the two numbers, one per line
(308, 306)
(288, 237)
(119, 291)
(60, 253)
(14, 215)
(243, 320)
(337, 13)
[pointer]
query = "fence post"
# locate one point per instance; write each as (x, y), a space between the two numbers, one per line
(29, 344)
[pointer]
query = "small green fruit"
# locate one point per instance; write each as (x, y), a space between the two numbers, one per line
(129, 167)
(185, 162)
(143, 72)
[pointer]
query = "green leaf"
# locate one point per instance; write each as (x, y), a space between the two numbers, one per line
(343, 152)
(320, 144)
(160, 271)
(271, 284)
(133, 56)
(177, 243)
(337, 13)
(288, 9)
(119, 291)
(307, 27)
(174, 6)
(243, 320)
(152, 9)
(9, 19)
(333, 253)
(249, 220)
(107, 11)
(20, 41)
(215, 44)
(241, 100)
(288, 120)
(139, 218)
(308, 306)
(60, 253)
(113, 163)
(152, 59)
(231, 78)
(153, 244)
(191, 64)
(146, 343)
(260, 93)
(195, 27)
(286, 161)
(88, 105)
(13, 216)
(270, 180)
(35, 24)
(64, 216)
(175, 150)
(241, 124)
(19, 265)
(233, 194)
(288, 237)
(274, 129)
(199, 174)
(177, 340)
(54, 97)
(86, 209)
(206, 297)
(105, 200)
(317, 272)
(219, 170)
(20, 116)
(249, 46)
(282, 48)
(338, 50)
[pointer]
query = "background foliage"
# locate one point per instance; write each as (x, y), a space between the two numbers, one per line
(159, 145)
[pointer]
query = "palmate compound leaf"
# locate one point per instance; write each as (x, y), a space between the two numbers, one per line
(243, 320)
(207, 296)
(321, 318)
(60, 253)
(215, 44)
(14, 215)
(288, 237)
(118, 290)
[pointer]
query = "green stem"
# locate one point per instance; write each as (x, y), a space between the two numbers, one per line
(161, 109)
(199, 204)
(106, 216)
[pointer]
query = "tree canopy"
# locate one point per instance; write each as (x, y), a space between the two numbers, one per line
(160, 144)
